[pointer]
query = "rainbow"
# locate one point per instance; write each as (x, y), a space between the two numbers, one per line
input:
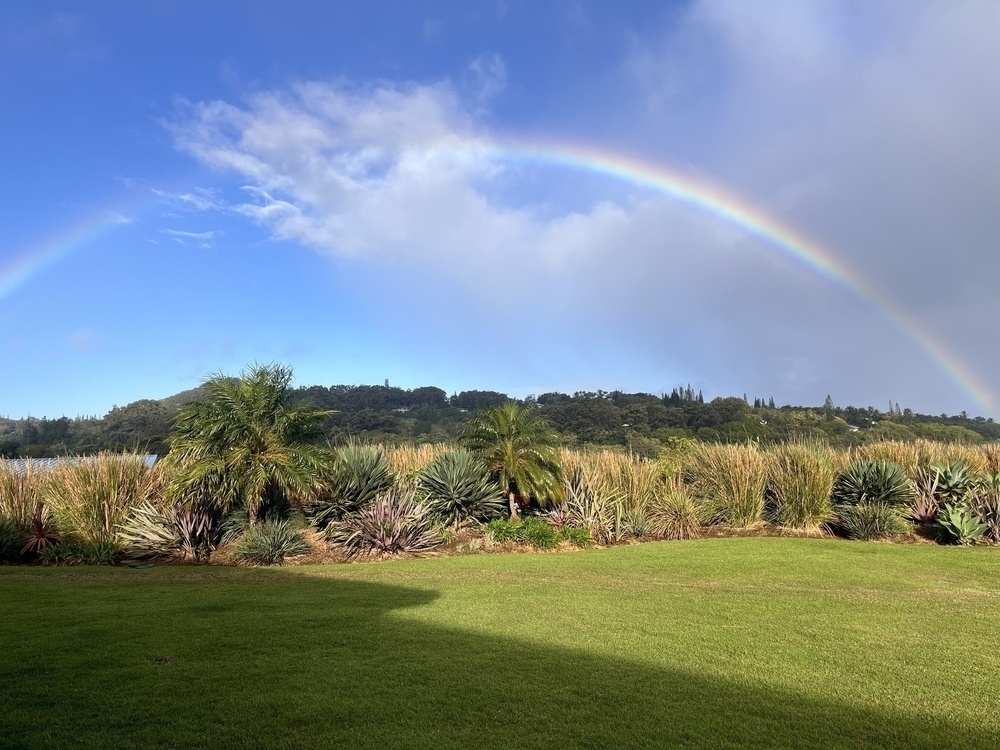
(724, 206)
(698, 195)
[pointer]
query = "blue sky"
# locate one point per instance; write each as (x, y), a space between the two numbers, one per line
(345, 188)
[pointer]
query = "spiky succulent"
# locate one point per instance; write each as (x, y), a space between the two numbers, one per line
(360, 474)
(394, 523)
(959, 525)
(457, 487)
(269, 543)
(866, 482)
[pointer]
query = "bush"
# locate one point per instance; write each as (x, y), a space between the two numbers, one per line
(729, 480)
(799, 484)
(359, 475)
(393, 524)
(674, 515)
(502, 530)
(537, 533)
(870, 521)
(81, 553)
(872, 483)
(10, 540)
(576, 537)
(959, 525)
(457, 487)
(269, 543)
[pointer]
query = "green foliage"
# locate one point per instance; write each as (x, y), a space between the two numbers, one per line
(871, 521)
(519, 449)
(729, 481)
(959, 525)
(41, 533)
(954, 480)
(359, 474)
(81, 552)
(872, 482)
(457, 487)
(537, 533)
(799, 484)
(241, 444)
(393, 524)
(576, 537)
(269, 543)
(674, 515)
(10, 540)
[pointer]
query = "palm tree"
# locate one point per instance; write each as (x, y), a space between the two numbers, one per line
(242, 445)
(519, 448)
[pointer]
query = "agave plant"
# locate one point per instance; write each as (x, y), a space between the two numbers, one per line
(360, 473)
(394, 523)
(960, 525)
(457, 487)
(954, 480)
(867, 482)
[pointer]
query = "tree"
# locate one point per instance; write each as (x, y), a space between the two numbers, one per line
(519, 448)
(242, 445)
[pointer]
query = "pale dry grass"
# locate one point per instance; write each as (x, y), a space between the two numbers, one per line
(408, 461)
(20, 493)
(728, 481)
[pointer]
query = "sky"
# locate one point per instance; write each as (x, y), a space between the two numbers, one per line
(776, 198)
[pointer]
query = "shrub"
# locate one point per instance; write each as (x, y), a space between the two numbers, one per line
(41, 533)
(958, 524)
(674, 515)
(799, 483)
(984, 501)
(456, 487)
(81, 553)
(502, 530)
(537, 533)
(729, 480)
(576, 537)
(393, 524)
(872, 483)
(359, 475)
(90, 498)
(10, 540)
(269, 543)
(872, 520)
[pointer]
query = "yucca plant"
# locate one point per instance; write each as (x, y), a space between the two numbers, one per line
(269, 543)
(984, 501)
(457, 488)
(729, 480)
(359, 474)
(799, 484)
(393, 524)
(594, 503)
(867, 482)
(959, 525)
(925, 504)
(151, 532)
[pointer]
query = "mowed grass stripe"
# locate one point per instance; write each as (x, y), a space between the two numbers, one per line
(722, 643)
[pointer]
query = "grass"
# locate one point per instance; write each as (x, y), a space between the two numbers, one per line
(710, 643)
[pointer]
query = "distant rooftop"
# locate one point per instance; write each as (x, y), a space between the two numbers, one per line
(22, 465)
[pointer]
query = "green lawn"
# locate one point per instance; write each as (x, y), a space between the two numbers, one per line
(715, 643)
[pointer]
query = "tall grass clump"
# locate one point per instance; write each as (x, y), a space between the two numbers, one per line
(409, 461)
(20, 494)
(729, 482)
(800, 480)
(673, 513)
(90, 498)
(269, 543)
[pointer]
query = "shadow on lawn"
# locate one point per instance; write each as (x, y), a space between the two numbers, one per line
(271, 659)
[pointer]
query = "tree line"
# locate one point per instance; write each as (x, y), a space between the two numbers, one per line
(643, 422)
